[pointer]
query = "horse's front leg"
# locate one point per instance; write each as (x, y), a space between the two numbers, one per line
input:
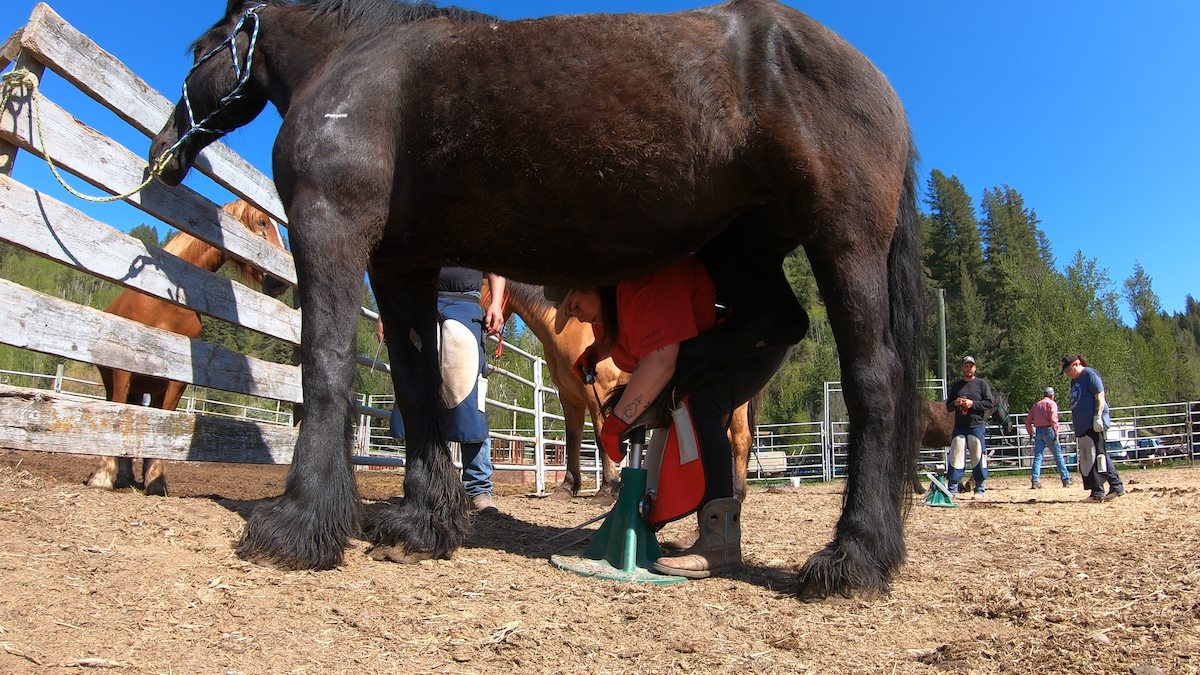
(308, 526)
(114, 473)
(434, 517)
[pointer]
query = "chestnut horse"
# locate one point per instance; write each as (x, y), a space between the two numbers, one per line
(939, 422)
(562, 349)
(570, 151)
(119, 385)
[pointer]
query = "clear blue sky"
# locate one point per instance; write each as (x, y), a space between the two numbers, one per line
(1088, 109)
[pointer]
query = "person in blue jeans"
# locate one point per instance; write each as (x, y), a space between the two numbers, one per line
(972, 400)
(1042, 425)
(1090, 418)
(463, 323)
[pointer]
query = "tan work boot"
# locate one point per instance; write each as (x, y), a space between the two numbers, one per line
(483, 504)
(719, 549)
(683, 542)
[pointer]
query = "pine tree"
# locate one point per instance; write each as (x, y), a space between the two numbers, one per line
(147, 235)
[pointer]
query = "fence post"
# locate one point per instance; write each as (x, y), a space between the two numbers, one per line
(58, 379)
(539, 436)
(1191, 430)
(827, 440)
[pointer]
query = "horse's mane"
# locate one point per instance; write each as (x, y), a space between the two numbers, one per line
(367, 16)
(385, 13)
(528, 294)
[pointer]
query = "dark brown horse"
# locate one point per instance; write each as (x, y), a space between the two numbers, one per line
(571, 151)
(119, 385)
(939, 422)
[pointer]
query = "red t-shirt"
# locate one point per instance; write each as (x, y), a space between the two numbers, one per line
(662, 309)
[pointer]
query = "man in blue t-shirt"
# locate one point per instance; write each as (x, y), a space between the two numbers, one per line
(1090, 418)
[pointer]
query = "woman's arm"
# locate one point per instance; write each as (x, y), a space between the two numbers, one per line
(652, 373)
(493, 318)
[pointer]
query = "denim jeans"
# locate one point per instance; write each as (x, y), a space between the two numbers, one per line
(1043, 437)
(955, 473)
(477, 467)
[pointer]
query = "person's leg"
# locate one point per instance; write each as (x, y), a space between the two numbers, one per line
(1059, 459)
(1088, 458)
(1039, 448)
(711, 404)
(1106, 471)
(956, 461)
(978, 448)
(477, 467)
(719, 548)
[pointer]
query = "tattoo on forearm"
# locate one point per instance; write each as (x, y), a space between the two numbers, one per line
(630, 411)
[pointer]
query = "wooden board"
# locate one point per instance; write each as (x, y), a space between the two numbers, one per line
(106, 164)
(53, 230)
(37, 420)
(102, 76)
(46, 324)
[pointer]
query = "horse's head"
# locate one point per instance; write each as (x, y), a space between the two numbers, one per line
(1003, 415)
(222, 92)
(263, 226)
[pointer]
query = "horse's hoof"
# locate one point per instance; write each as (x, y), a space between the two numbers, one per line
(603, 497)
(290, 534)
(562, 493)
(398, 554)
(837, 572)
(100, 481)
(156, 488)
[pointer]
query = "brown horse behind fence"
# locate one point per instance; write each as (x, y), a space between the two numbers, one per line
(122, 386)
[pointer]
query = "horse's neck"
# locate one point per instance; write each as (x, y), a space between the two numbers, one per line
(539, 319)
(191, 249)
(296, 45)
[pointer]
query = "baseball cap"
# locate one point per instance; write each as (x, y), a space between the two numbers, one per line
(557, 295)
(1067, 361)
(968, 359)
(1049, 392)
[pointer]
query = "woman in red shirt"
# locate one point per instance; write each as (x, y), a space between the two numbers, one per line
(640, 323)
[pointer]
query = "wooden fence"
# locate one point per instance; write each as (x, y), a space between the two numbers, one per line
(47, 46)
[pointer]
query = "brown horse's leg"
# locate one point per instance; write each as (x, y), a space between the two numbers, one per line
(113, 473)
(740, 439)
(610, 474)
(574, 416)
(154, 471)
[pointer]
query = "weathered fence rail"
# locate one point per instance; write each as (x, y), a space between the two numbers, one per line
(31, 124)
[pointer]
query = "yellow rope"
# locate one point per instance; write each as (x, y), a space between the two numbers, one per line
(27, 82)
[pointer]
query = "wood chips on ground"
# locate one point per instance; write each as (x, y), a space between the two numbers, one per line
(1022, 581)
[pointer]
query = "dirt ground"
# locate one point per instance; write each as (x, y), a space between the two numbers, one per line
(1022, 581)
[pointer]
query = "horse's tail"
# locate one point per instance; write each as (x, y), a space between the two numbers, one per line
(906, 294)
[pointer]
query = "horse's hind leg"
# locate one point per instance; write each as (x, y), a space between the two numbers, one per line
(434, 517)
(154, 471)
(870, 281)
(573, 414)
(740, 439)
